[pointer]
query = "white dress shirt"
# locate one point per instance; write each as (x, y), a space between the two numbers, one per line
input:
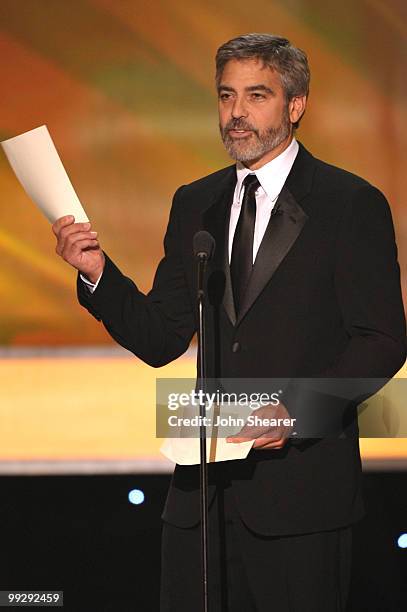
(272, 177)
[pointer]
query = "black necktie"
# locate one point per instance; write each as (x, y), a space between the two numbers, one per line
(241, 262)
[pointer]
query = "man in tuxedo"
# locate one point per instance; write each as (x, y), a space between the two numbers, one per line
(304, 283)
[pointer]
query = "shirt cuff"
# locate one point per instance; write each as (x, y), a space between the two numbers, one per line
(91, 286)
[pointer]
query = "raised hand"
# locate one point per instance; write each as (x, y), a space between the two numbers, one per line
(79, 246)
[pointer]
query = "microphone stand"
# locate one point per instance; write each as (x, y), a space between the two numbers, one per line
(203, 468)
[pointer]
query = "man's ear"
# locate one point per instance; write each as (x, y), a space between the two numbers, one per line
(296, 108)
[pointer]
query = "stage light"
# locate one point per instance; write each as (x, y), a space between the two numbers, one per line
(402, 541)
(136, 497)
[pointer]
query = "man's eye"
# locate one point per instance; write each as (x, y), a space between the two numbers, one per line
(257, 96)
(224, 96)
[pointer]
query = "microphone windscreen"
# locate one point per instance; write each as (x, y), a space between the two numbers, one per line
(204, 244)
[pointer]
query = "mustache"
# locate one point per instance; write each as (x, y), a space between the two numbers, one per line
(238, 124)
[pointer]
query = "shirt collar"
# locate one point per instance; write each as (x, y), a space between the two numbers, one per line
(272, 175)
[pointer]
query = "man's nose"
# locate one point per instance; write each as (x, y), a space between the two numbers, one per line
(239, 109)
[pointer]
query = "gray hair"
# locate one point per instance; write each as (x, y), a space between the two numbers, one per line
(276, 52)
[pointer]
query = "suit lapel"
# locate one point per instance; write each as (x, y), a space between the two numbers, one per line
(282, 231)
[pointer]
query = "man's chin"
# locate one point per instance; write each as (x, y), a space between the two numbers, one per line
(244, 154)
(240, 149)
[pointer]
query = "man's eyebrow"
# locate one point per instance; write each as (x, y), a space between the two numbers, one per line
(259, 87)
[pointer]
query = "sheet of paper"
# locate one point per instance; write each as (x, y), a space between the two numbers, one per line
(183, 445)
(39, 169)
(185, 451)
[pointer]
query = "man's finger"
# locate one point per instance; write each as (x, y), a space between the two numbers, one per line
(62, 222)
(266, 443)
(249, 432)
(238, 438)
(79, 235)
(73, 228)
(65, 246)
(77, 247)
(244, 436)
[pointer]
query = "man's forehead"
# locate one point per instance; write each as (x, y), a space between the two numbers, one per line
(249, 69)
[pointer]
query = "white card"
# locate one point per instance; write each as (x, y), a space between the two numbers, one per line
(185, 451)
(183, 447)
(39, 169)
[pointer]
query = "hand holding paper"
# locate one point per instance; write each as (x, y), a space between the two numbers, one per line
(182, 446)
(79, 246)
(37, 165)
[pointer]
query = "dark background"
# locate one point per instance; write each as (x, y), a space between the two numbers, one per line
(81, 535)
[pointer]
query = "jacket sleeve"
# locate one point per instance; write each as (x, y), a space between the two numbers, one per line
(156, 327)
(367, 285)
(367, 282)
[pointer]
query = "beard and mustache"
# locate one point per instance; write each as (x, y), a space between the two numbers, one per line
(250, 149)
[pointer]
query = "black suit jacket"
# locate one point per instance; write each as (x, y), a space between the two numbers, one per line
(324, 300)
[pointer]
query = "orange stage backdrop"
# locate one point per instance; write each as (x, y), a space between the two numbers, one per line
(126, 88)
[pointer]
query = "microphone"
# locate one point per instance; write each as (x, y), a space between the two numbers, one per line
(204, 245)
(204, 248)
